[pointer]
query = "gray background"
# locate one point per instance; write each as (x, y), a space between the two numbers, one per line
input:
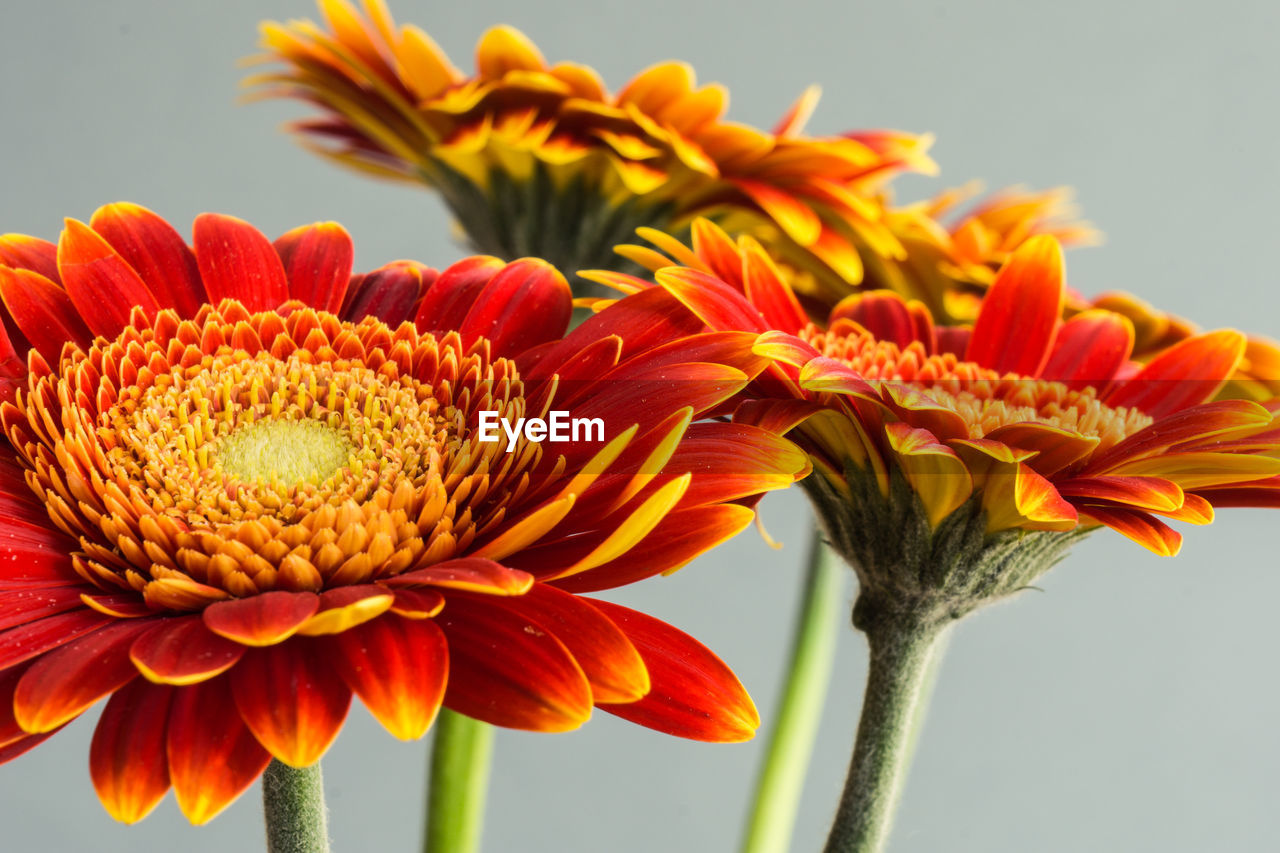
(1130, 707)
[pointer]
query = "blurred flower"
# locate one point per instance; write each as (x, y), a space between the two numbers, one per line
(229, 518)
(950, 267)
(543, 160)
(949, 261)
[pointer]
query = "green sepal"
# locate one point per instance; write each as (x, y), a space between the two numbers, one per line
(908, 570)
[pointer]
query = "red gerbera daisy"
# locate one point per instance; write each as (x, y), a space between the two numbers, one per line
(954, 465)
(234, 500)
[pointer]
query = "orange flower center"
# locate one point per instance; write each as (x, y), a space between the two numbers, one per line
(983, 398)
(236, 453)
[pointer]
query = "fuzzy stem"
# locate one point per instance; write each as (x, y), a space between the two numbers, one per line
(781, 781)
(902, 652)
(460, 759)
(293, 804)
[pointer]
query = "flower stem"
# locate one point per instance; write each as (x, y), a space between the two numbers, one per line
(781, 781)
(460, 761)
(902, 653)
(293, 804)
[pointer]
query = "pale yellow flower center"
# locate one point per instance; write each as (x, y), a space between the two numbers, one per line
(284, 451)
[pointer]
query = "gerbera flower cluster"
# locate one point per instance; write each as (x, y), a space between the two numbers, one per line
(245, 486)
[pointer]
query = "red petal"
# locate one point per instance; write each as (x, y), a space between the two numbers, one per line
(914, 405)
(317, 263)
(38, 551)
(183, 651)
(10, 731)
(1198, 422)
(765, 289)
(261, 620)
(127, 759)
(629, 398)
(732, 461)
(65, 682)
(715, 249)
(101, 284)
(526, 304)
(20, 606)
(18, 747)
(589, 363)
(124, 605)
(722, 349)
(952, 339)
(1015, 326)
(35, 638)
(678, 538)
(344, 607)
(694, 695)
(1056, 448)
(391, 293)
(711, 300)
(1090, 348)
(1150, 533)
(776, 416)
(1189, 372)
(451, 295)
(156, 251)
(608, 659)
(472, 574)
(42, 311)
(1259, 493)
(13, 350)
(643, 321)
(883, 314)
(509, 671)
(1147, 493)
(30, 253)
(417, 603)
(213, 756)
(291, 699)
(17, 502)
(237, 262)
(398, 667)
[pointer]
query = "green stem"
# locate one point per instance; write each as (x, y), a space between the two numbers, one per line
(781, 781)
(902, 652)
(293, 804)
(460, 761)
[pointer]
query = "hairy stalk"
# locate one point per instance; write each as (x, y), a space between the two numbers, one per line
(902, 651)
(293, 805)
